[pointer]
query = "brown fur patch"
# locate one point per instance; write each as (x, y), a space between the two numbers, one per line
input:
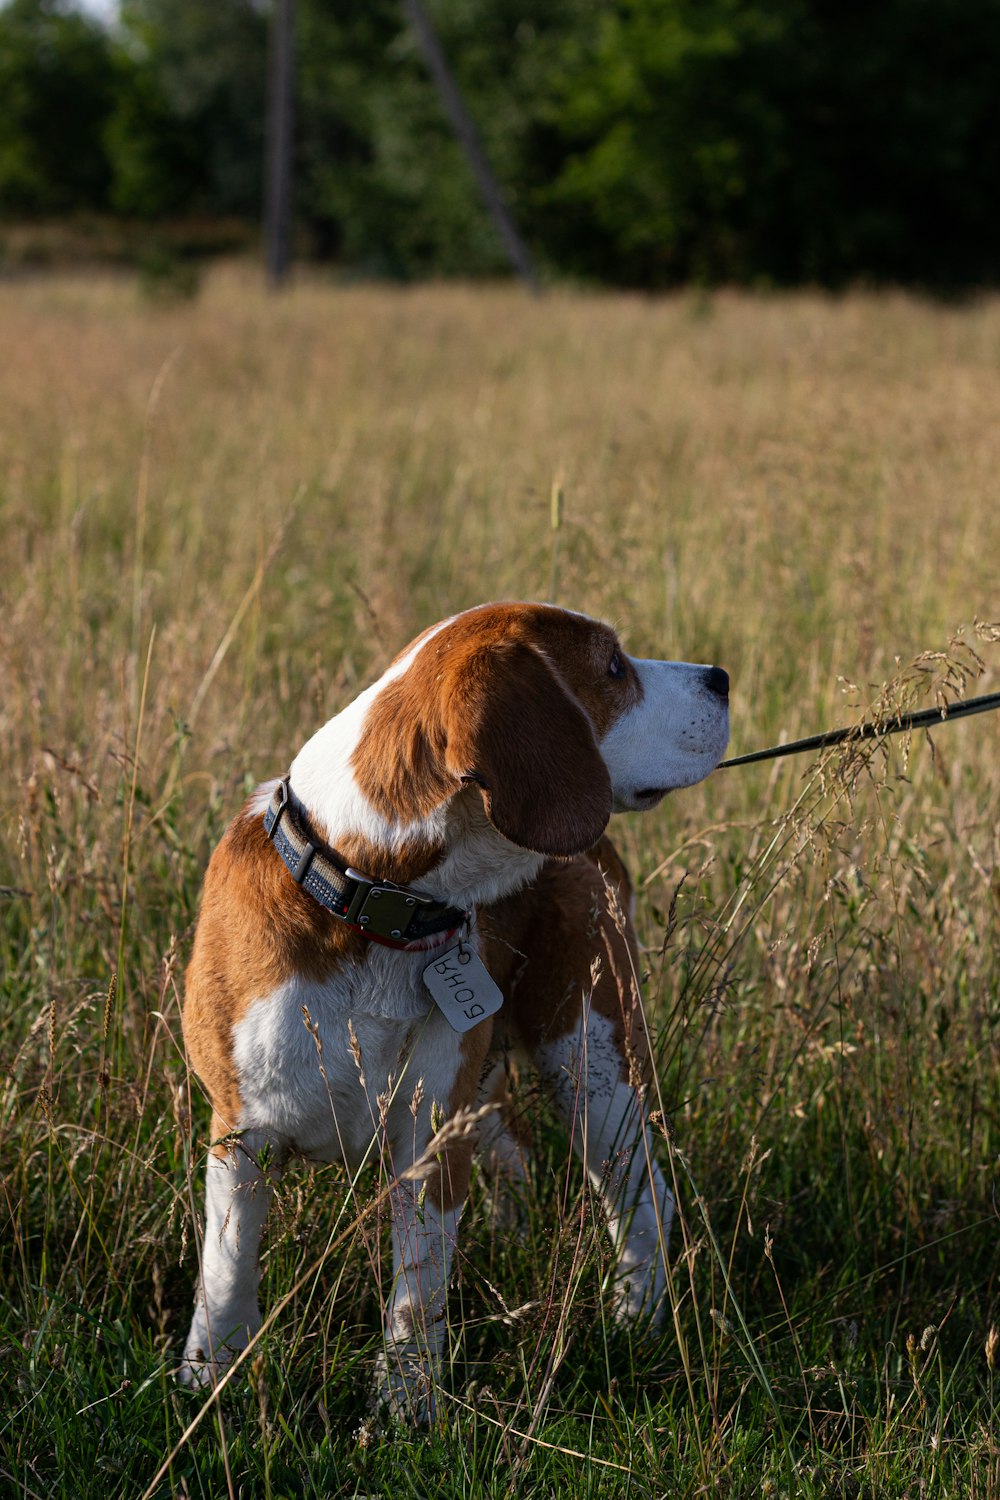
(513, 697)
(219, 1129)
(539, 944)
(449, 1183)
(256, 930)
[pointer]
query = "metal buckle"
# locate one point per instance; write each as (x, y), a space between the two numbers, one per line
(383, 908)
(276, 816)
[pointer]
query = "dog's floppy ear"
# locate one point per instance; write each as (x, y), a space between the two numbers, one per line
(515, 730)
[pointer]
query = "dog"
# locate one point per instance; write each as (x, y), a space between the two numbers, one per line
(427, 887)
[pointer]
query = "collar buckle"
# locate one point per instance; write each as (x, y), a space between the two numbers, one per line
(383, 909)
(380, 909)
(279, 801)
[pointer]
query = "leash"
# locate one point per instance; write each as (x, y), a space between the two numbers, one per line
(924, 719)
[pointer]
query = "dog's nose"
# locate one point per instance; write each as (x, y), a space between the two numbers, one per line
(717, 682)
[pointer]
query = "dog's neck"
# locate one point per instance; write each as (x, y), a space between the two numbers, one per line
(453, 852)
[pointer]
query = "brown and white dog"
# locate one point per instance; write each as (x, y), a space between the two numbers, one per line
(472, 785)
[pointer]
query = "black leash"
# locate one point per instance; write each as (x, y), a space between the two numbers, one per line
(925, 719)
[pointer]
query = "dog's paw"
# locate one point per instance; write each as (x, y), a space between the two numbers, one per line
(198, 1373)
(638, 1300)
(208, 1354)
(404, 1387)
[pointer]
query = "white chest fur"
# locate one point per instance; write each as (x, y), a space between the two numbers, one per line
(328, 1073)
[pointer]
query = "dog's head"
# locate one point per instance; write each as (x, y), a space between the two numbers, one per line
(543, 711)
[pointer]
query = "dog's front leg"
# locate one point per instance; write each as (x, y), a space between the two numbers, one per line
(423, 1242)
(425, 1212)
(238, 1191)
(603, 1110)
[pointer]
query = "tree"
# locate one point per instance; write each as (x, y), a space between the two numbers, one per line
(786, 141)
(383, 181)
(645, 142)
(57, 84)
(188, 130)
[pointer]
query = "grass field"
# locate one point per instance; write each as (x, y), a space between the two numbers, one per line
(219, 519)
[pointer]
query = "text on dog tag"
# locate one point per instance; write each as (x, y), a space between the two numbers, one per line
(462, 988)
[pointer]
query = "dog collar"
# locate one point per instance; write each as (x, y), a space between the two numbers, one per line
(393, 915)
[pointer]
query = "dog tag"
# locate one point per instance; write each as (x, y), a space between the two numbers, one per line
(462, 988)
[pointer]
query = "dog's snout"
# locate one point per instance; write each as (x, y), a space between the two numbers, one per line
(717, 682)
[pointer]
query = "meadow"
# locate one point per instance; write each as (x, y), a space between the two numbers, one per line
(220, 518)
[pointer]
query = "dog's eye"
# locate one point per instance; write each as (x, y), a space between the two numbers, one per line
(616, 667)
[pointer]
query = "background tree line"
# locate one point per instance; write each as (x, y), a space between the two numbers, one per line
(639, 142)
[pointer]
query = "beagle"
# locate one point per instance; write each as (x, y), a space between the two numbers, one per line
(428, 886)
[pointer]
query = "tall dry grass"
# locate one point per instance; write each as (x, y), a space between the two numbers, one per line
(219, 520)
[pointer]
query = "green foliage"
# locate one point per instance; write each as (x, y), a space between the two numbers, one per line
(188, 133)
(645, 142)
(788, 141)
(165, 276)
(57, 86)
(154, 155)
(669, 127)
(384, 182)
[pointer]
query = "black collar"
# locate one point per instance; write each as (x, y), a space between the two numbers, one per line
(381, 910)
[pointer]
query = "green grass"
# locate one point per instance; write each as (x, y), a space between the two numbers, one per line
(220, 519)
